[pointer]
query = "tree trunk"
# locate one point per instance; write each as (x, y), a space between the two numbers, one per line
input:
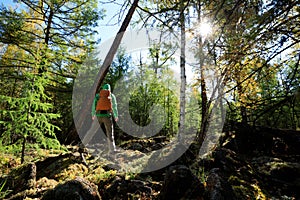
(242, 108)
(204, 101)
(23, 150)
(47, 31)
(85, 110)
(182, 71)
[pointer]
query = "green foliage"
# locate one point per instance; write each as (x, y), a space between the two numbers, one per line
(99, 174)
(11, 26)
(151, 90)
(153, 86)
(119, 68)
(44, 43)
(29, 115)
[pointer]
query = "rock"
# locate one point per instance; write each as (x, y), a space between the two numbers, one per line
(181, 183)
(119, 188)
(52, 166)
(77, 189)
(22, 178)
(213, 184)
(137, 146)
(217, 188)
(45, 183)
(256, 140)
(160, 139)
(227, 160)
(281, 176)
(41, 186)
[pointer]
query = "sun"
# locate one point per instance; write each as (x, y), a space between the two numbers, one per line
(204, 29)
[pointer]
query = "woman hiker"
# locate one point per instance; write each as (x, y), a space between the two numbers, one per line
(105, 109)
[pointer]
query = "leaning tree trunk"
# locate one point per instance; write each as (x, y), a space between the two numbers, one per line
(85, 110)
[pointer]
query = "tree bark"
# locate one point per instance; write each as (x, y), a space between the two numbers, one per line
(47, 31)
(23, 150)
(243, 109)
(204, 100)
(182, 71)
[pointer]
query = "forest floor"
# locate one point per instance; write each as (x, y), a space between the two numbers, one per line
(249, 163)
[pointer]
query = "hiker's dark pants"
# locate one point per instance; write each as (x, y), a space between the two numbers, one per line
(108, 124)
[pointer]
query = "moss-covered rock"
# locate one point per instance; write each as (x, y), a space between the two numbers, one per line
(78, 188)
